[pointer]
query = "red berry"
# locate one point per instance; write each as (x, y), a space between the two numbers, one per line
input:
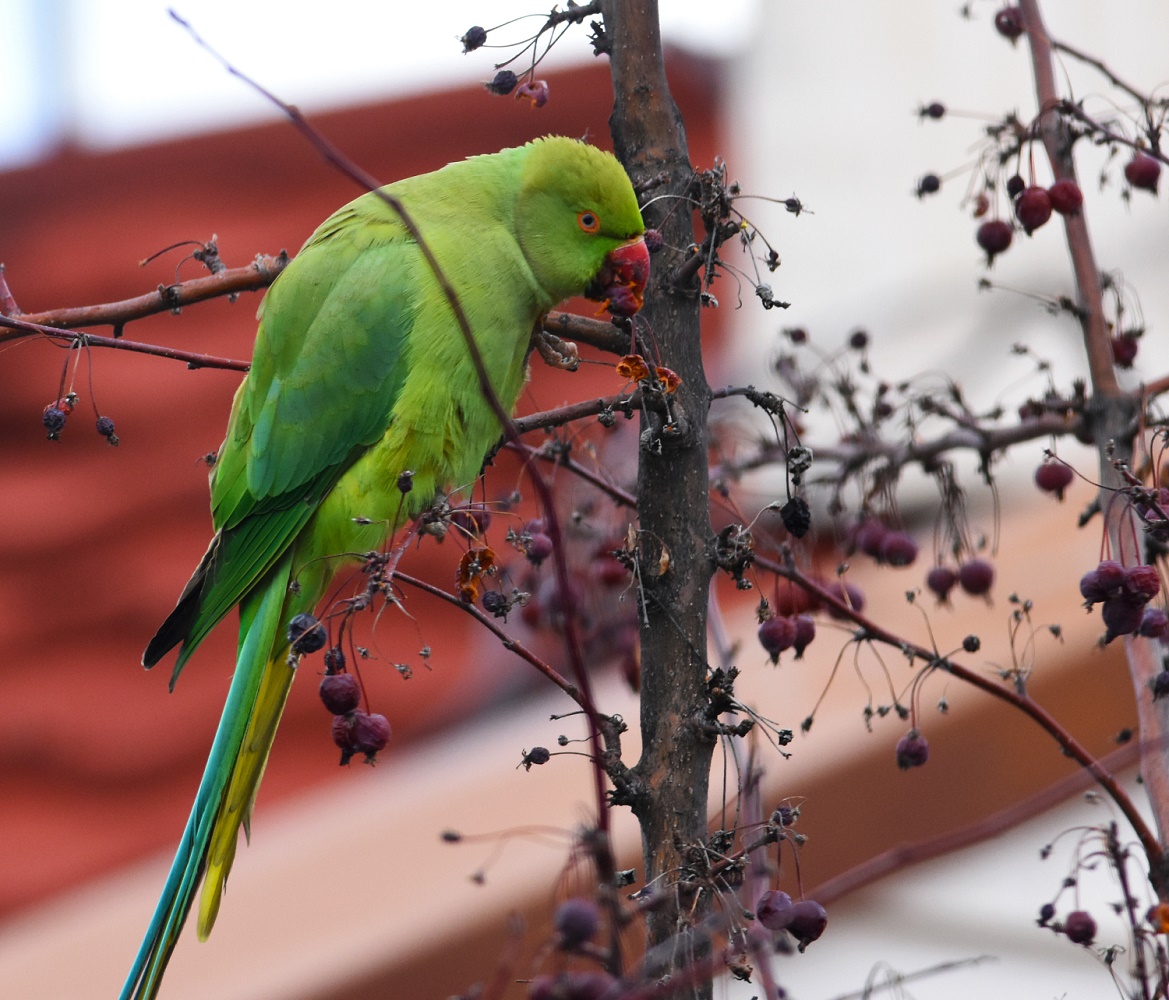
(1124, 350)
(1079, 927)
(1054, 477)
(1066, 197)
(898, 549)
(808, 921)
(1008, 22)
(1111, 575)
(776, 635)
(1033, 208)
(793, 600)
(774, 910)
(1143, 172)
(941, 580)
(371, 733)
(912, 750)
(994, 237)
(340, 693)
(976, 576)
(1142, 583)
(576, 921)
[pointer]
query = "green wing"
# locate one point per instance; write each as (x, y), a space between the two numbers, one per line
(327, 368)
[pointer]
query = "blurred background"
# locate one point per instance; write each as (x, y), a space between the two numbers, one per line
(120, 136)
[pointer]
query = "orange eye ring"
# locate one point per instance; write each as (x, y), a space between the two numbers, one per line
(589, 222)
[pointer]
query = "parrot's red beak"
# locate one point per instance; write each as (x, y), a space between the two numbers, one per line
(620, 284)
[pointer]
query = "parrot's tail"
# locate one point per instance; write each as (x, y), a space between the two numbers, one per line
(255, 702)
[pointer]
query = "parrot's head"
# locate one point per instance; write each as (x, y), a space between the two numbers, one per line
(579, 225)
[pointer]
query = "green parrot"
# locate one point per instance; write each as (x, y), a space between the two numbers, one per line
(360, 373)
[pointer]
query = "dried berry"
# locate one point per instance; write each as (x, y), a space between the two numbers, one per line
(576, 921)
(994, 237)
(776, 635)
(976, 576)
(334, 660)
(536, 756)
(340, 693)
(105, 427)
(536, 91)
(473, 38)
(912, 750)
(941, 580)
(504, 82)
(898, 549)
(1079, 927)
(53, 418)
(797, 516)
(1066, 197)
(1033, 208)
(972, 644)
(1008, 22)
(1054, 477)
(370, 733)
(808, 921)
(1143, 172)
(774, 910)
(306, 634)
(1142, 583)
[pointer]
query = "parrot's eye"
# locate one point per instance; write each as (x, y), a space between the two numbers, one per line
(588, 221)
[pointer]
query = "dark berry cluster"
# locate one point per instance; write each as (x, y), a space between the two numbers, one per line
(1124, 593)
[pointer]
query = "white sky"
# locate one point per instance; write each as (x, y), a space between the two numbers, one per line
(112, 72)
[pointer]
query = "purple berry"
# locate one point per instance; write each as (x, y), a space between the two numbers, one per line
(340, 693)
(912, 750)
(898, 549)
(976, 577)
(808, 921)
(1160, 685)
(1111, 576)
(1008, 22)
(576, 922)
(777, 634)
(774, 910)
(1142, 583)
(306, 634)
(994, 237)
(1079, 927)
(371, 733)
(538, 548)
(1124, 350)
(1154, 623)
(941, 580)
(1121, 617)
(1015, 186)
(474, 37)
(846, 593)
(868, 537)
(805, 633)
